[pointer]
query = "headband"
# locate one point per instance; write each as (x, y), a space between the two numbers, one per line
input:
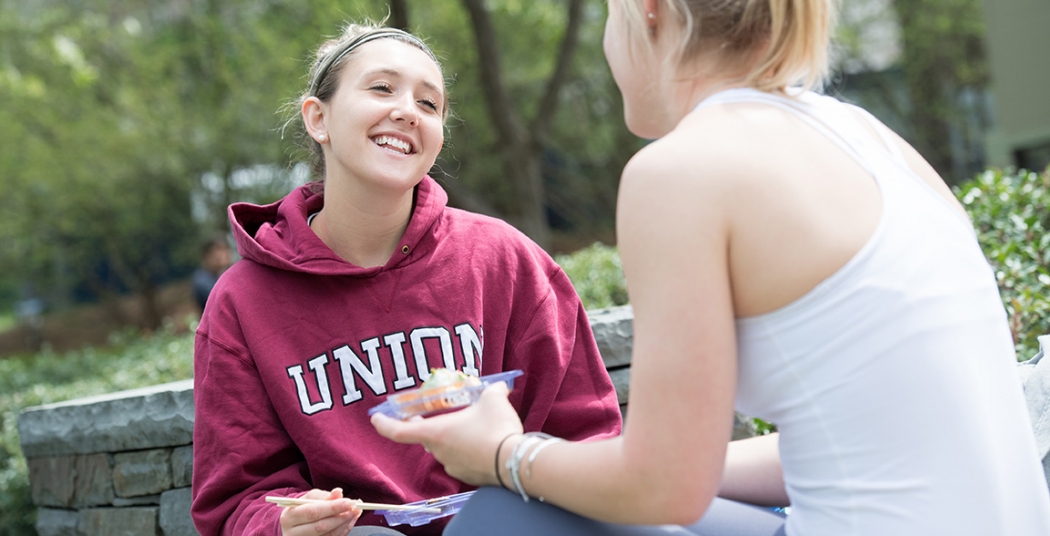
(358, 41)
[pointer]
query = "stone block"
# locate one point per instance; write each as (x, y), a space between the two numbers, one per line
(55, 522)
(142, 500)
(133, 521)
(93, 485)
(144, 472)
(51, 480)
(614, 332)
(175, 517)
(182, 466)
(71, 481)
(152, 417)
(621, 379)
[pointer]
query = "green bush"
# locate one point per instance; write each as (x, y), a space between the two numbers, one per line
(129, 362)
(1011, 213)
(597, 275)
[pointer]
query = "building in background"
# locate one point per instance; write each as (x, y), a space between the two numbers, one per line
(1018, 47)
(918, 65)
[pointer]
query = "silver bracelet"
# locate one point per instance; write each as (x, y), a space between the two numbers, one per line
(528, 440)
(536, 452)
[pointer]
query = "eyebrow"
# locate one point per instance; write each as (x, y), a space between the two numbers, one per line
(397, 74)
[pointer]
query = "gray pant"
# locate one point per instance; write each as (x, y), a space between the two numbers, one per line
(373, 531)
(498, 511)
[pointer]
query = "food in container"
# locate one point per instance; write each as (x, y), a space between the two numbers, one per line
(444, 390)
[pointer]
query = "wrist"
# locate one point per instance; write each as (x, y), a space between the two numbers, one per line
(518, 461)
(503, 450)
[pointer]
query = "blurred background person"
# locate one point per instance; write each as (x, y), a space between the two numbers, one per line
(215, 259)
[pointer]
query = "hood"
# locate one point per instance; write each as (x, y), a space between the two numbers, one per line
(277, 235)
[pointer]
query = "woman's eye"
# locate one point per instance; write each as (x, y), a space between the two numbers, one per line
(429, 103)
(380, 87)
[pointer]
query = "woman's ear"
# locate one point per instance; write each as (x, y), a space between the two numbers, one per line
(651, 14)
(313, 111)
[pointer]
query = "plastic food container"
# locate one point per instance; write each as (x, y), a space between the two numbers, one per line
(448, 505)
(425, 402)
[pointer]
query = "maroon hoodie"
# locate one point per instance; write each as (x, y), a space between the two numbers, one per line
(297, 344)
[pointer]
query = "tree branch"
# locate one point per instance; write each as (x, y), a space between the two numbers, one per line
(501, 111)
(549, 103)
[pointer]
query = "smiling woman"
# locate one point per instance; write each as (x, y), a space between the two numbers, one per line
(356, 286)
(374, 120)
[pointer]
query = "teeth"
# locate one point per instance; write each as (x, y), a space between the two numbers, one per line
(392, 142)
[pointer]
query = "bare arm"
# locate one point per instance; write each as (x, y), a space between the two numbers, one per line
(667, 465)
(753, 473)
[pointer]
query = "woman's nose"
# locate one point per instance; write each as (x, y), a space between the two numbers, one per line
(405, 110)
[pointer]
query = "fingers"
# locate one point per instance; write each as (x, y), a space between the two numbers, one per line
(344, 528)
(398, 431)
(495, 394)
(496, 389)
(333, 515)
(493, 402)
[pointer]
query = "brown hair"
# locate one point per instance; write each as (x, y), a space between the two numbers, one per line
(324, 79)
(785, 42)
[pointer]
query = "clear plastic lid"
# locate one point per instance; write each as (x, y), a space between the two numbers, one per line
(447, 505)
(433, 400)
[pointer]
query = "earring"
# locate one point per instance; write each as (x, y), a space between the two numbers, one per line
(321, 138)
(652, 15)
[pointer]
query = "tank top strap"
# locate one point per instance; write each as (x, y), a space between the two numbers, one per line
(888, 142)
(826, 115)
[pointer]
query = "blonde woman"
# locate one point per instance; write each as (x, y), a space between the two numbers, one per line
(788, 255)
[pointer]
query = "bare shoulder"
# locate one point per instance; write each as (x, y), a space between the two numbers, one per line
(705, 140)
(679, 196)
(665, 189)
(716, 159)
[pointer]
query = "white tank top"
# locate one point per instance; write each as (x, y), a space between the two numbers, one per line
(893, 383)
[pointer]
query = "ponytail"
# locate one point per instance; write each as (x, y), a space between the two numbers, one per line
(785, 41)
(797, 49)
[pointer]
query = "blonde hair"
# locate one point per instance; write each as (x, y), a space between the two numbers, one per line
(785, 42)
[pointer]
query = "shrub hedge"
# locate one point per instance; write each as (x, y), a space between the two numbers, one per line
(597, 275)
(1010, 211)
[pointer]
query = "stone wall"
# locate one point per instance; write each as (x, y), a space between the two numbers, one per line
(121, 464)
(117, 464)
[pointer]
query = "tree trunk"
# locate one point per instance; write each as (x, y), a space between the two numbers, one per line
(521, 165)
(521, 145)
(399, 14)
(152, 317)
